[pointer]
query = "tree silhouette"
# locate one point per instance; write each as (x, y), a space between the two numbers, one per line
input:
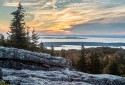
(33, 45)
(18, 30)
(35, 38)
(52, 51)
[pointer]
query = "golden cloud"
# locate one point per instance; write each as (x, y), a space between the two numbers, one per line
(3, 28)
(54, 20)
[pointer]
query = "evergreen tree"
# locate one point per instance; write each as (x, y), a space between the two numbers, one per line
(97, 64)
(52, 52)
(33, 45)
(94, 65)
(113, 67)
(18, 30)
(35, 38)
(42, 47)
(82, 66)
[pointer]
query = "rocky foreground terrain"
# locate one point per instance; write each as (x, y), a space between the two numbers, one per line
(21, 67)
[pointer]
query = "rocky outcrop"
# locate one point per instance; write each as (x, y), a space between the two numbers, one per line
(64, 77)
(21, 67)
(22, 59)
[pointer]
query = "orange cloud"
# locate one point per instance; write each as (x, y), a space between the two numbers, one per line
(4, 28)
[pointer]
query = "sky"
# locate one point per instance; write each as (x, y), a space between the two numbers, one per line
(67, 17)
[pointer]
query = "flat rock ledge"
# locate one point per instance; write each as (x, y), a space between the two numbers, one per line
(22, 59)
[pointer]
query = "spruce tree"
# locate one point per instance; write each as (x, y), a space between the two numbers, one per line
(33, 46)
(94, 65)
(97, 64)
(113, 67)
(18, 29)
(35, 38)
(81, 64)
(42, 47)
(52, 51)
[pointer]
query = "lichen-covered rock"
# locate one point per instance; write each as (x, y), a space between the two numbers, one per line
(64, 77)
(22, 59)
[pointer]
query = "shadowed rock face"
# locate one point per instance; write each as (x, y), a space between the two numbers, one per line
(1, 74)
(21, 67)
